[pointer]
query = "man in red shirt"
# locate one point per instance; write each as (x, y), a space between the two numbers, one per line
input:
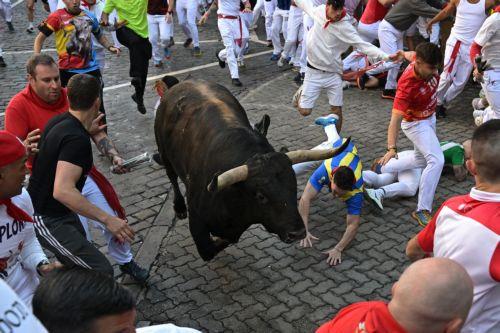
(432, 296)
(373, 14)
(413, 111)
(466, 229)
(26, 116)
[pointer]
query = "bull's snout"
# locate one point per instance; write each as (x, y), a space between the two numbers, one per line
(292, 236)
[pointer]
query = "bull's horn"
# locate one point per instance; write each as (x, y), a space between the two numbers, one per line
(299, 156)
(228, 178)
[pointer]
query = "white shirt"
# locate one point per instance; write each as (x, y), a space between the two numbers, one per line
(15, 316)
(326, 45)
(489, 38)
(466, 229)
(468, 20)
(229, 7)
(20, 251)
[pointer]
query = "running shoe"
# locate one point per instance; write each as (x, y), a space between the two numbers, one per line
(327, 120)
(389, 94)
(236, 82)
(135, 271)
(2, 62)
(440, 111)
(275, 57)
(10, 26)
(241, 63)
(423, 217)
(222, 64)
(30, 30)
(375, 196)
(196, 51)
(188, 42)
(361, 81)
(283, 61)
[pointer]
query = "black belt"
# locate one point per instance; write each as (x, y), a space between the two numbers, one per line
(312, 67)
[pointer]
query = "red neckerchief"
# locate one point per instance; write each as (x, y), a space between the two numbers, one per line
(497, 9)
(328, 21)
(15, 212)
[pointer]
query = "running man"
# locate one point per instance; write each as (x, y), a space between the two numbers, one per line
(413, 111)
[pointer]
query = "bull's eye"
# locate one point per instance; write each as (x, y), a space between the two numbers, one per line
(261, 198)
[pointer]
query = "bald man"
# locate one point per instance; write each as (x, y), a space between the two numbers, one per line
(432, 295)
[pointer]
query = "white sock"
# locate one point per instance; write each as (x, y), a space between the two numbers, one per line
(331, 132)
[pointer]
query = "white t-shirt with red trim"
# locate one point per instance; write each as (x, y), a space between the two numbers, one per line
(467, 229)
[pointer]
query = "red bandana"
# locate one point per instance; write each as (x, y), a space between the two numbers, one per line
(15, 212)
(332, 21)
(497, 9)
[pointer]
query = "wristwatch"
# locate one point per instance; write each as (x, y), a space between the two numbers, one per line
(41, 263)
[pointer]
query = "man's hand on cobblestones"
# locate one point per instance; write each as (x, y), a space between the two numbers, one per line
(334, 257)
(114, 50)
(307, 241)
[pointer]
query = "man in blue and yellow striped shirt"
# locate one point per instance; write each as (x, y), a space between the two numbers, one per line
(342, 175)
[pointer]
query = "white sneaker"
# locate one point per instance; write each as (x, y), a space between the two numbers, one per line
(296, 96)
(375, 196)
(478, 113)
(241, 63)
(282, 61)
(477, 104)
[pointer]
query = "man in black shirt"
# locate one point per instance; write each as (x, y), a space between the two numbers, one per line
(59, 172)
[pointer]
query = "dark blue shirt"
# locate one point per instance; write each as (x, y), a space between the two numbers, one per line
(284, 4)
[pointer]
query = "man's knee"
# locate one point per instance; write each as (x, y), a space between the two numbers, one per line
(304, 111)
(436, 160)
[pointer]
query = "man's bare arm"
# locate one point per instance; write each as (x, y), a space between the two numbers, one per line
(37, 46)
(413, 250)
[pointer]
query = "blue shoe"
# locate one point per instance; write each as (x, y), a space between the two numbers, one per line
(423, 217)
(326, 120)
(275, 57)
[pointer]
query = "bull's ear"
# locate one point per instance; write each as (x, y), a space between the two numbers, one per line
(263, 125)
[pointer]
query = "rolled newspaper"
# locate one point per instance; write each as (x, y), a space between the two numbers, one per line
(134, 161)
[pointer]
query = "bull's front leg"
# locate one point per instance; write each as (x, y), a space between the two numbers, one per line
(207, 246)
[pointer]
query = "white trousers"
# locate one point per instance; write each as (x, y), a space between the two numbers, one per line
(294, 35)
(186, 14)
(230, 32)
(307, 23)
(269, 8)
(308, 167)
(422, 29)
(368, 32)
(491, 87)
(280, 21)
(451, 84)
(391, 40)
(394, 184)
(159, 35)
(119, 252)
(427, 155)
(6, 10)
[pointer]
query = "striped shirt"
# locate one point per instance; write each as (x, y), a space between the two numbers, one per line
(323, 176)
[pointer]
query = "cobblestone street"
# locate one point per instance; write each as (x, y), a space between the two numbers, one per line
(260, 284)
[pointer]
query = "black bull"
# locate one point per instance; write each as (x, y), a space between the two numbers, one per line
(233, 176)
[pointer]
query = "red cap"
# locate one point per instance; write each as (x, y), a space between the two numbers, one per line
(11, 148)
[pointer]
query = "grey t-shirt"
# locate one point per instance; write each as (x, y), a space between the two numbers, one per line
(405, 12)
